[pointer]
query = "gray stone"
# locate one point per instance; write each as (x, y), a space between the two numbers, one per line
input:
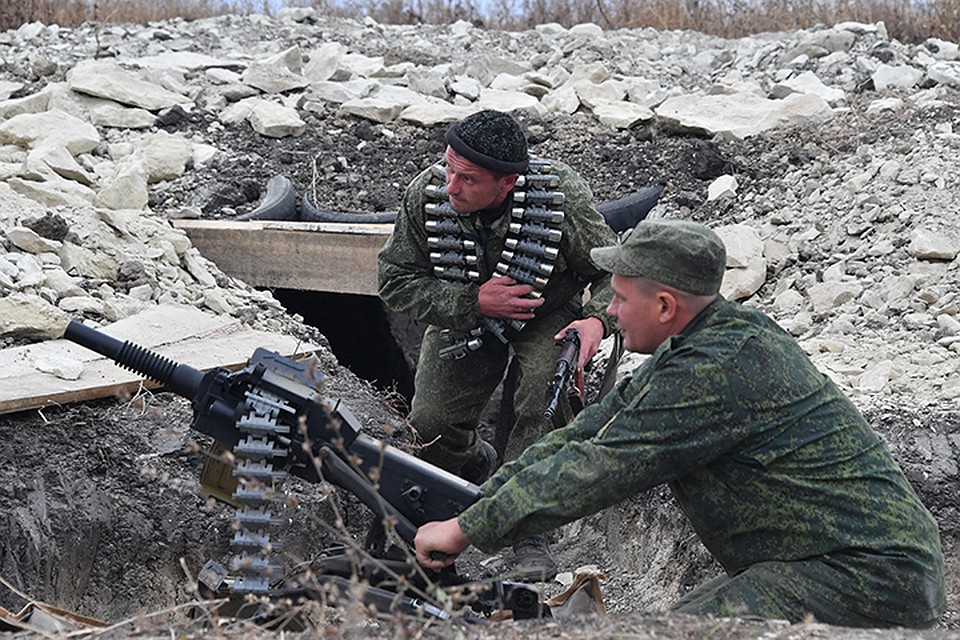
(165, 156)
(741, 115)
(930, 244)
(126, 187)
(373, 109)
(50, 127)
(30, 318)
(899, 77)
(59, 366)
(30, 241)
(109, 80)
(275, 121)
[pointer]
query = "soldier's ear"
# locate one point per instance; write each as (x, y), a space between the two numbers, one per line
(668, 306)
(509, 181)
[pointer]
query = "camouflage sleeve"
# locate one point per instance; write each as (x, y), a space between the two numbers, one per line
(405, 274)
(584, 229)
(545, 447)
(648, 430)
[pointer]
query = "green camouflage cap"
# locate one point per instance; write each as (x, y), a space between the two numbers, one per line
(682, 254)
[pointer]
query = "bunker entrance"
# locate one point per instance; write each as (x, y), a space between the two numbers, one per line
(375, 343)
(382, 347)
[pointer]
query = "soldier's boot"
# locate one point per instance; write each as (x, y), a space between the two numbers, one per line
(533, 561)
(481, 466)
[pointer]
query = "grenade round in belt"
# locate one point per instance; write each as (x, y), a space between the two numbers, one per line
(530, 250)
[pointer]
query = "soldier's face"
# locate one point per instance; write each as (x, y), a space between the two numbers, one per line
(471, 187)
(640, 312)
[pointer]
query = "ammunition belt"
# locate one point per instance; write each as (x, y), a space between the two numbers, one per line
(529, 255)
(260, 456)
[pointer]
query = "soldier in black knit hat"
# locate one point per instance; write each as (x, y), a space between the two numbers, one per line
(491, 249)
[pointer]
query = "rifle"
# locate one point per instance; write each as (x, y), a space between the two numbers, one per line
(272, 415)
(566, 365)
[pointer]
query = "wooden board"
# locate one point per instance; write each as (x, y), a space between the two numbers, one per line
(309, 256)
(181, 333)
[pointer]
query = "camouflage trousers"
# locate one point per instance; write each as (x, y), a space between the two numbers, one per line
(846, 589)
(450, 395)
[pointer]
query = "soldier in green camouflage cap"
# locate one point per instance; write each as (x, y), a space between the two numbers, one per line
(446, 270)
(782, 478)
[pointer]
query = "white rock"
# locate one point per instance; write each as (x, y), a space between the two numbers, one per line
(126, 188)
(946, 73)
(30, 317)
(433, 114)
(891, 105)
(899, 77)
(829, 295)
(165, 156)
(741, 115)
(7, 89)
(56, 127)
(876, 377)
(60, 366)
(721, 188)
(788, 301)
(928, 244)
(275, 121)
(509, 101)
(808, 82)
(375, 109)
(81, 304)
(742, 242)
(30, 241)
(109, 80)
(740, 283)
(622, 114)
(562, 100)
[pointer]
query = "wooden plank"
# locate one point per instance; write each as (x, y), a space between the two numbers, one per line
(310, 256)
(183, 334)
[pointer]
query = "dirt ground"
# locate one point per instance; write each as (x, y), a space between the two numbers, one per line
(101, 509)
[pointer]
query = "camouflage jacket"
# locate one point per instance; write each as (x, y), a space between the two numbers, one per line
(766, 457)
(408, 285)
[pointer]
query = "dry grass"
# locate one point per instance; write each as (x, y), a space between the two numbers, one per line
(909, 21)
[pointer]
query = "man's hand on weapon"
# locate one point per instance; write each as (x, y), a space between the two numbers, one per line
(503, 297)
(573, 357)
(439, 543)
(591, 333)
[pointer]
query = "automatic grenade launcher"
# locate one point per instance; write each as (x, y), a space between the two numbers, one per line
(271, 414)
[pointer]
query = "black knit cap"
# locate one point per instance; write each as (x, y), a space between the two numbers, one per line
(492, 140)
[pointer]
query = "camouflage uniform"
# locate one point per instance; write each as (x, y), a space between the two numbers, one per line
(782, 478)
(450, 395)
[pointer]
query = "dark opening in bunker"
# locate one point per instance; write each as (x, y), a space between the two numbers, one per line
(367, 338)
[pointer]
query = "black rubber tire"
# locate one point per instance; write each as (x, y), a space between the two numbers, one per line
(310, 213)
(626, 212)
(279, 202)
